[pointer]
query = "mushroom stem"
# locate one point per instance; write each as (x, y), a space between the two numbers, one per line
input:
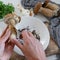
(46, 12)
(13, 32)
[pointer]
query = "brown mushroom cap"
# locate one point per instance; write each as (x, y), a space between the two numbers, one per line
(37, 7)
(12, 19)
(45, 3)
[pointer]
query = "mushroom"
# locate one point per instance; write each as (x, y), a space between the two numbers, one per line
(45, 11)
(11, 20)
(51, 6)
(37, 7)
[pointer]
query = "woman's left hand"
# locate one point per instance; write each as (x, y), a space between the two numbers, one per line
(5, 47)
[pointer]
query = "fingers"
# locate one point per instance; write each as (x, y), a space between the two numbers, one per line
(9, 45)
(30, 34)
(25, 35)
(17, 43)
(6, 35)
(28, 37)
(9, 48)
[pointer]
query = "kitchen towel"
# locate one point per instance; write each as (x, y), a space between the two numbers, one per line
(54, 28)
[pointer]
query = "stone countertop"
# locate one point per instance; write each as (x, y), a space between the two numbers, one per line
(52, 49)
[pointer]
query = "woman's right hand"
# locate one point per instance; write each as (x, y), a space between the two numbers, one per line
(31, 47)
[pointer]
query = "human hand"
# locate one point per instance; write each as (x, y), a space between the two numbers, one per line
(31, 47)
(5, 47)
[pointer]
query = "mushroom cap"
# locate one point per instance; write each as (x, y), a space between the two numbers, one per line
(12, 19)
(45, 3)
(37, 7)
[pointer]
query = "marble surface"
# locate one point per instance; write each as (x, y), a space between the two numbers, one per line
(15, 56)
